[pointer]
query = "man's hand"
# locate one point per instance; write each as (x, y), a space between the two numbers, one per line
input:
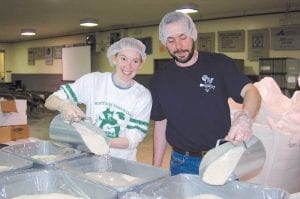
(241, 128)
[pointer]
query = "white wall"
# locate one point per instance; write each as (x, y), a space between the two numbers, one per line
(248, 23)
(19, 62)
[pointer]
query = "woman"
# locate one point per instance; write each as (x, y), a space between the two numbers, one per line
(117, 104)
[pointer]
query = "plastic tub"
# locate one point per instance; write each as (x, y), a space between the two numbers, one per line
(30, 150)
(52, 181)
(187, 186)
(98, 164)
(10, 163)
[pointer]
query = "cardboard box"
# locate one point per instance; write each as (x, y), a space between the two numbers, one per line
(8, 106)
(15, 118)
(12, 118)
(21, 105)
(19, 132)
(15, 132)
(5, 134)
(9, 119)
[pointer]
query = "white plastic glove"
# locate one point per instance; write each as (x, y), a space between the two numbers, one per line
(70, 111)
(241, 128)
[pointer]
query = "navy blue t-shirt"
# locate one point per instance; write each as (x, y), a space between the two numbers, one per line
(194, 100)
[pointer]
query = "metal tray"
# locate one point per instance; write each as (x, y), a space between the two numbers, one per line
(145, 173)
(13, 163)
(51, 181)
(187, 185)
(28, 150)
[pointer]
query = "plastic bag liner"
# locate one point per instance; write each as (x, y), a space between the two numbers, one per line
(277, 110)
(51, 181)
(30, 149)
(187, 185)
(282, 154)
(295, 196)
(13, 163)
(145, 173)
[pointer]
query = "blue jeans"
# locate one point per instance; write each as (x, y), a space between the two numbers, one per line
(184, 164)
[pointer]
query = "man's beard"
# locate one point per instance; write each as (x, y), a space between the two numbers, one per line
(185, 60)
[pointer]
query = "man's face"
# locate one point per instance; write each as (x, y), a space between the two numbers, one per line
(180, 46)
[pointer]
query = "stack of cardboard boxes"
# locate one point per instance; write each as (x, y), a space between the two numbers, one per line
(13, 120)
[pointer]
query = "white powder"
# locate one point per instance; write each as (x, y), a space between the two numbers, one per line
(5, 168)
(47, 196)
(95, 142)
(218, 171)
(113, 179)
(205, 196)
(44, 157)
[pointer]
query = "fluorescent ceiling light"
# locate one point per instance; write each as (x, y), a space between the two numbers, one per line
(28, 32)
(188, 8)
(88, 22)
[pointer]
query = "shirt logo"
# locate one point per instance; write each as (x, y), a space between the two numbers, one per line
(110, 122)
(208, 83)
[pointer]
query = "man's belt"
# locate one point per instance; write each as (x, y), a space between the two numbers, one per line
(190, 153)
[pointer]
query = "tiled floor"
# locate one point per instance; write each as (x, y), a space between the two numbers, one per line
(39, 124)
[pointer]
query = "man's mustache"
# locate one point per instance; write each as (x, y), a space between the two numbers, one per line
(180, 51)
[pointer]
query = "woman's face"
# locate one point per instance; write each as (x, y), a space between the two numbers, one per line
(127, 62)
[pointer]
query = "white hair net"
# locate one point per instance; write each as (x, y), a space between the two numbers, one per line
(187, 26)
(126, 43)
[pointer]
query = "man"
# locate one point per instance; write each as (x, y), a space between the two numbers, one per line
(190, 98)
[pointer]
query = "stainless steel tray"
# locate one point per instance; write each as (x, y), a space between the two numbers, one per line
(145, 173)
(51, 181)
(187, 185)
(59, 152)
(12, 163)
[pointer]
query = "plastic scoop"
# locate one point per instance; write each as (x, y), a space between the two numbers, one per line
(228, 162)
(78, 133)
